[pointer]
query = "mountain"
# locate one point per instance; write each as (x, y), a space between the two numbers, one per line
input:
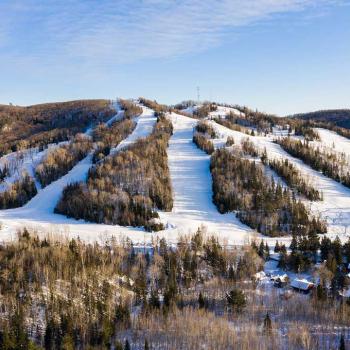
(131, 222)
(338, 117)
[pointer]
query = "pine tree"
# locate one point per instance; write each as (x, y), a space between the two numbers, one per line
(267, 324)
(294, 243)
(261, 250)
(201, 301)
(127, 345)
(342, 342)
(267, 251)
(277, 247)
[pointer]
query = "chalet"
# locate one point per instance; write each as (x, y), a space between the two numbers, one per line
(302, 285)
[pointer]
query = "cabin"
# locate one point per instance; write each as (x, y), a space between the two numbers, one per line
(302, 285)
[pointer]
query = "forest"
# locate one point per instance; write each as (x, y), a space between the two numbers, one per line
(241, 185)
(127, 187)
(65, 294)
(19, 193)
(330, 163)
(61, 159)
(202, 135)
(40, 125)
(107, 137)
(292, 176)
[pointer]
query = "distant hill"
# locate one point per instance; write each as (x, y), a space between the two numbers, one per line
(338, 117)
(38, 125)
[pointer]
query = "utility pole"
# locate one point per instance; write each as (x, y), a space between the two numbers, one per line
(198, 95)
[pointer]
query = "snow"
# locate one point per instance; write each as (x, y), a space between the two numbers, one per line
(192, 192)
(222, 111)
(332, 141)
(144, 126)
(191, 181)
(335, 207)
(24, 162)
(302, 284)
(38, 212)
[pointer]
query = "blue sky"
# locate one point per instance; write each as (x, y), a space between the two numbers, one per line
(280, 56)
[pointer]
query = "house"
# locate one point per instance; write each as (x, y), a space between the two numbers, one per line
(302, 285)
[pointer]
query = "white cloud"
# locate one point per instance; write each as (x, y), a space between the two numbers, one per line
(94, 32)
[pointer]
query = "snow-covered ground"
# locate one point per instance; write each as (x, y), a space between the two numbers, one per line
(335, 207)
(191, 180)
(333, 142)
(38, 212)
(192, 192)
(144, 126)
(222, 111)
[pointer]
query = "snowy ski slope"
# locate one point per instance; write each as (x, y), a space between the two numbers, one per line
(38, 212)
(192, 192)
(335, 207)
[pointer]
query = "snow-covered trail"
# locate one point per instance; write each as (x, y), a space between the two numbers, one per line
(144, 126)
(333, 141)
(38, 212)
(335, 207)
(192, 190)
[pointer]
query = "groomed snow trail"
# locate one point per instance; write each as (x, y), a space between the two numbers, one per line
(38, 212)
(144, 127)
(335, 207)
(192, 190)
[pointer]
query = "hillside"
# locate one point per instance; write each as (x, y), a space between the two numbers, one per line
(39, 125)
(338, 117)
(146, 225)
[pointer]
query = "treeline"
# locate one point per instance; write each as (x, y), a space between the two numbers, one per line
(227, 122)
(202, 135)
(65, 294)
(107, 137)
(306, 130)
(264, 123)
(40, 125)
(330, 164)
(127, 187)
(60, 160)
(204, 110)
(62, 294)
(130, 108)
(241, 185)
(205, 128)
(159, 109)
(19, 193)
(203, 143)
(292, 176)
(335, 117)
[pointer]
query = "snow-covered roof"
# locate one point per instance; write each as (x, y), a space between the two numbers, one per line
(302, 284)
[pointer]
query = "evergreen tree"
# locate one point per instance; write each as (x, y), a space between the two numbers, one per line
(267, 251)
(261, 250)
(294, 243)
(277, 247)
(127, 345)
(201, 301)
(267, 324)
(236, 299)
(342, 342)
